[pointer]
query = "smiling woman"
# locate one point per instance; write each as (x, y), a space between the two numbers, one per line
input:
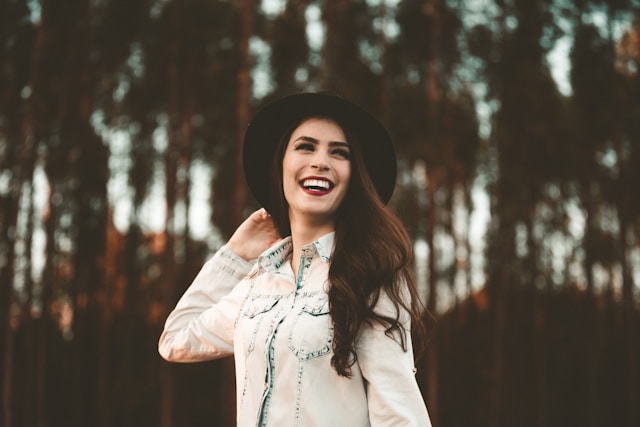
(315, 300)
(315, 174)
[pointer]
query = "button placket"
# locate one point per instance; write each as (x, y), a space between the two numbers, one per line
(305, 262)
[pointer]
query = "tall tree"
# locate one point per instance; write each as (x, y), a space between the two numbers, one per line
(242, 107)
(435, 124)
(529, 137)
(626, 144)
(593, 102)
(290, 47)
(16, 37)
(348, 33)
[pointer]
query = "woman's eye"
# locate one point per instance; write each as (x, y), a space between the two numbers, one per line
(342, 153)
(305, 147)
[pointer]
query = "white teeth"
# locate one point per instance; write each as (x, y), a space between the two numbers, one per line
(316, 183)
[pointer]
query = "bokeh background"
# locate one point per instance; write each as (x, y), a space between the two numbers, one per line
(517, 126)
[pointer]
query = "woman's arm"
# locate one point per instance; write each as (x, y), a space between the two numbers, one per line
(393, 395)
(201, 325)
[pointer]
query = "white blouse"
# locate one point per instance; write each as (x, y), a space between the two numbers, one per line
(279, 330)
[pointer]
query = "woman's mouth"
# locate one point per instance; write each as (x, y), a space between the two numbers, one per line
(316, 186)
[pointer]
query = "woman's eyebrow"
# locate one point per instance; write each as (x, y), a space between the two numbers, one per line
(316, 141)
(307, 139)
(339, 144)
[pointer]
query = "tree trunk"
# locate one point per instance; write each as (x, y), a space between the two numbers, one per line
(628, 306)
(86, 179)
(499, 282)
(8, 350)
(539, 342)
(433, 100)
(242, 109)
(20, 259)
(167, 282)
(593, 346)
(432, 351)
(9, 214)
(383, 100)
(29, 328)
(41, 360)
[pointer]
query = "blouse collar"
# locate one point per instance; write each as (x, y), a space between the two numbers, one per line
(274, 257)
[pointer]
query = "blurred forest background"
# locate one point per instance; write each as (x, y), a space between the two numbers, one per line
(517, 124)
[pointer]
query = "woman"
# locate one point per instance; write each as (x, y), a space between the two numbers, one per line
(319, 321)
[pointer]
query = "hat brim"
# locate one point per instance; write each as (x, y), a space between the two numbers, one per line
(270, 123)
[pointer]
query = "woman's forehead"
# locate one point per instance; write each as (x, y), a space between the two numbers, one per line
(318, 127)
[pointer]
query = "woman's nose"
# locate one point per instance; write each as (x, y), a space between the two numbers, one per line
(320, 166)
(320, 162)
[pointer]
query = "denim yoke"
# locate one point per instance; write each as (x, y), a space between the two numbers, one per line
(288, 324)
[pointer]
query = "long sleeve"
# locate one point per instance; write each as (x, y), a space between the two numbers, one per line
(393, 396)
(201, 325)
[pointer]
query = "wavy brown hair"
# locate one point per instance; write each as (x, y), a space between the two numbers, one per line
(372, 255)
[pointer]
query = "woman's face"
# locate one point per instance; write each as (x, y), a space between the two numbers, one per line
(315, 170)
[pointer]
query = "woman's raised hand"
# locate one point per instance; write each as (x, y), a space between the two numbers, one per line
(255, 235)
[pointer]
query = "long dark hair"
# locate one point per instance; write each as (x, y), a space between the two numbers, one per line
(372, 256)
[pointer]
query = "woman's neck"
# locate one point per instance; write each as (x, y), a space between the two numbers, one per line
(303, 233)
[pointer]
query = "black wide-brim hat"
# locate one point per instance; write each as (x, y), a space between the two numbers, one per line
(270, 124)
